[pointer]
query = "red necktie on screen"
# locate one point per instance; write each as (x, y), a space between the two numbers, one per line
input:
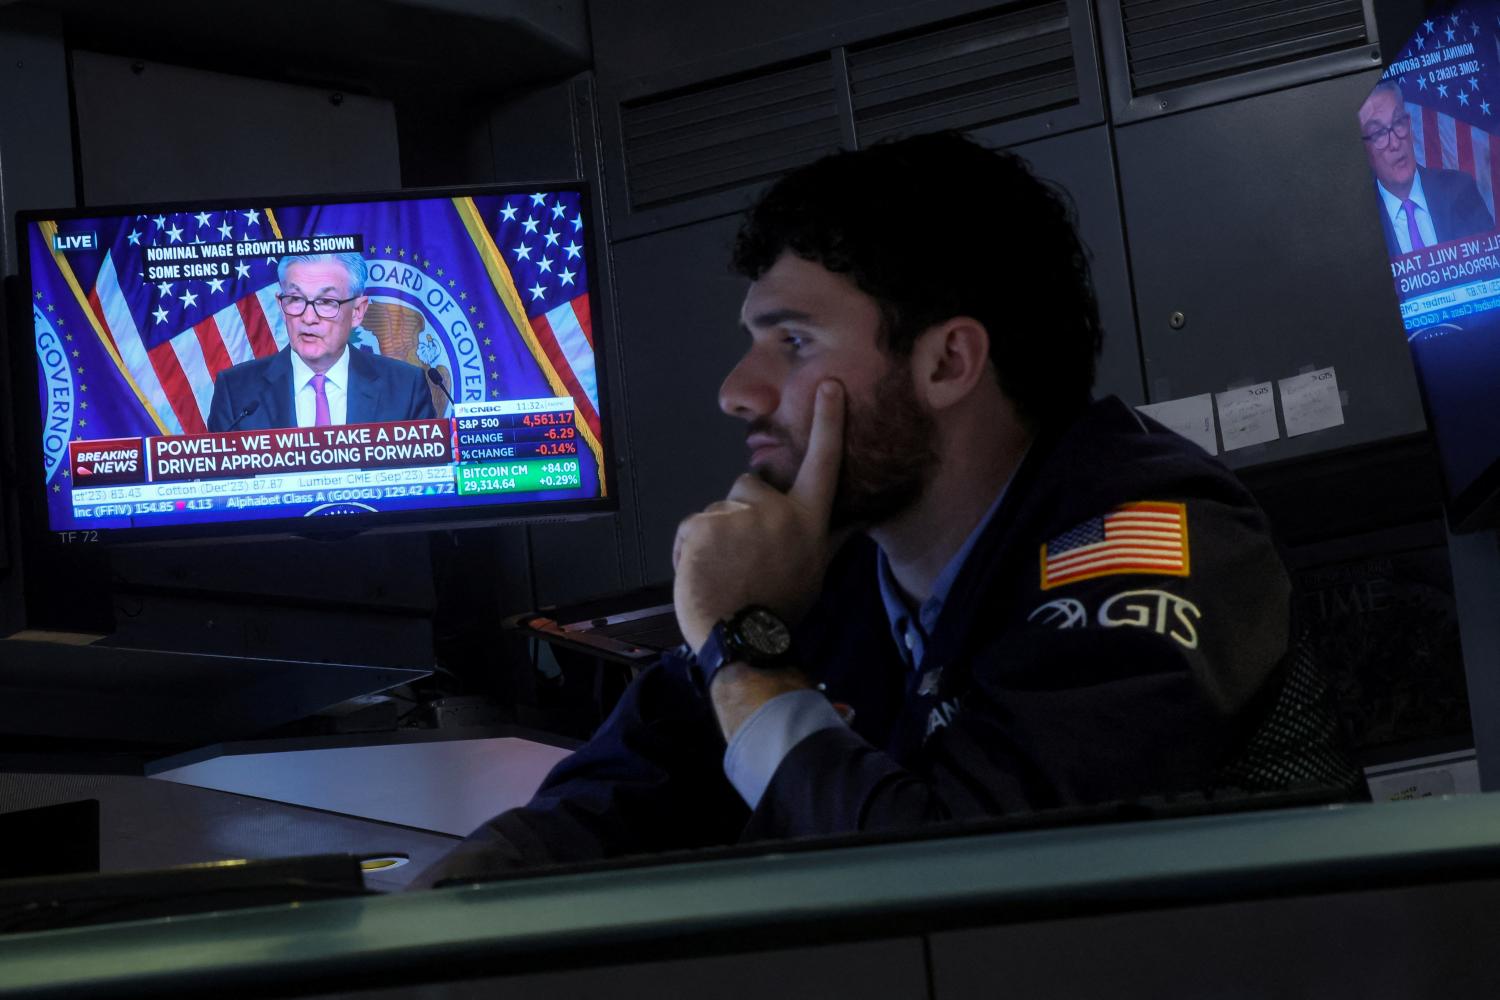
(1410, 208)
(321, 417)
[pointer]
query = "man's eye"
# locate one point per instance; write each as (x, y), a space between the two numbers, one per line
(325, 303)
(793, 342)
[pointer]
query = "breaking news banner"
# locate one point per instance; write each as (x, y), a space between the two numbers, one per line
(135, 317)
(300, 471)
(1431, 132)
(240, 453)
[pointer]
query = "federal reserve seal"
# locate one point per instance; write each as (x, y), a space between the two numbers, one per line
(57, 387)
(415, 317)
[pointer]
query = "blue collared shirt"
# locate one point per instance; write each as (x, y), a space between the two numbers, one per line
(911, 632)
(771, 731)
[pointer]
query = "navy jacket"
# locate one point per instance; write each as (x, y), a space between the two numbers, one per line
(1453, 201)
(379, 389)
(1108, 687)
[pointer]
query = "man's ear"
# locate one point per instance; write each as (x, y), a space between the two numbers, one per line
(949, 359)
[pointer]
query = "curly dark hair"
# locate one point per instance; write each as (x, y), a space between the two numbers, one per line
(937, 226)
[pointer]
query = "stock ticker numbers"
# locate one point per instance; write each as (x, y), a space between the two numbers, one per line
(546, 419)
(518, 477)
(517, 447)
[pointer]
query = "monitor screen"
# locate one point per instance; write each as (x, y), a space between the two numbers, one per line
(239, 365)
(1431, 134)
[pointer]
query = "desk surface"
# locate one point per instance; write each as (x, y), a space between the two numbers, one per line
(867, 891)
(426, 780)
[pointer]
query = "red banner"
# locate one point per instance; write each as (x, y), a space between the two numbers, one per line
(107, 463)
(238, 454)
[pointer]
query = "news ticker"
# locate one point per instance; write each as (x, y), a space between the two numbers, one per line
(485, 433)
(348, 485)
(1451, 303)
(262, 491)
(515, 477)
(500, 431)
(505, 446)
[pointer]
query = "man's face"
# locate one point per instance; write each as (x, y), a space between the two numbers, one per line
(806, 325)
(319, 341)
(1394, 164)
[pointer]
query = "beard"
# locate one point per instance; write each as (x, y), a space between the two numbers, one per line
(890, 452)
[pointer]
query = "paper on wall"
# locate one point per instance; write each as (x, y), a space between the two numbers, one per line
(1247, 416)
(1190, 416)
(1310, 402)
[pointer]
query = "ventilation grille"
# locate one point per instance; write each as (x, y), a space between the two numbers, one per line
(1175, 42)
(726, 134)
(965, 75)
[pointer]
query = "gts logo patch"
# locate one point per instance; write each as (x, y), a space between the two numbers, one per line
(1162, 612)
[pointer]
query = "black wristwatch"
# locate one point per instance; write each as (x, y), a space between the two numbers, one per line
(753, 635)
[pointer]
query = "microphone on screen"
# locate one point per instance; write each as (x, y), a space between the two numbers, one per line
(250, 408)
(436, 378)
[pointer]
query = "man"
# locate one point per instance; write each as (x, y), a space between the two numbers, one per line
(1419, 207)
(317, 380)
(1003, 596)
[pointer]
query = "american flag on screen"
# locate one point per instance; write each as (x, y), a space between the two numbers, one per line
(1454, 114)
(540, 236)
(1148, 537)
(173, 336)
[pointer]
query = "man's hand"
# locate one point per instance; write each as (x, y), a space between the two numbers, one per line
(761, 546)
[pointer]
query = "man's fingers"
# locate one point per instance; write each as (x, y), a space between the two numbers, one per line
(747, 489)
(818, 478)
(688, 525)
(723, 506)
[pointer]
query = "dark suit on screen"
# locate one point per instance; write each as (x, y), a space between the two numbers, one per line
(379, 389)
(1453, 201)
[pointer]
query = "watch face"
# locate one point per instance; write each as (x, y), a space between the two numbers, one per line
(763, 633)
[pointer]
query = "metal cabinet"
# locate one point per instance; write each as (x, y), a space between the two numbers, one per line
(679, 336)
(1081, 164)
(1255, 222)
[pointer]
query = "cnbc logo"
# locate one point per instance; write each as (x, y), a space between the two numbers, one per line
(75, 241)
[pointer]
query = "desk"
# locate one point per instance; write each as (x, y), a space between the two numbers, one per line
(444, 781)
(1397, 899)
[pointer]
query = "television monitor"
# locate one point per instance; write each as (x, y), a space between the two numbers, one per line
(1431, 134)
(168, 387)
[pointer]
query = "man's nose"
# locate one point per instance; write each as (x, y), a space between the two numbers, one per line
(747, 393)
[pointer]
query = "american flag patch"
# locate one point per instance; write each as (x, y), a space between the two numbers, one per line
(1149, 537)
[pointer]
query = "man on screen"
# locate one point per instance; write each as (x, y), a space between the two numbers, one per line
(318, 380)
(1001, 595)
(1419, 207)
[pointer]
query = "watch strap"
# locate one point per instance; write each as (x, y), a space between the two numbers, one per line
(715, 654)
